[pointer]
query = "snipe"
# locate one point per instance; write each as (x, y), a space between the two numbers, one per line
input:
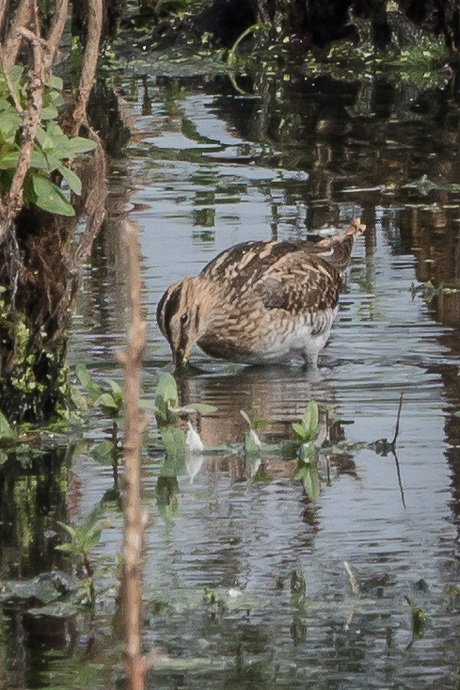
(259, 302)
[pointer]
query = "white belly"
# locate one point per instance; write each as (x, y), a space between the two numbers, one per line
(300, 338)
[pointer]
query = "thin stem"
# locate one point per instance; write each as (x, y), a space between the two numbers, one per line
(135, 517)
(398, 416)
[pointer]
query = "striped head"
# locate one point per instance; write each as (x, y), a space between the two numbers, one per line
(179, 316)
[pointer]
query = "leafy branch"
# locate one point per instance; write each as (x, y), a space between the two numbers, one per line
(52, 149)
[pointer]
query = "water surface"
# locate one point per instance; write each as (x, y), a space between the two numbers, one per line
(245, 576)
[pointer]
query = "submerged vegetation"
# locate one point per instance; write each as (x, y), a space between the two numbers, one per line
(290, 69)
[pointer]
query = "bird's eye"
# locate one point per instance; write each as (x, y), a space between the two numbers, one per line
(184, 318)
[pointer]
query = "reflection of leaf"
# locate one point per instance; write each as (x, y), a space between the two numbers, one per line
(86, 535)
(166, 494)
(253, 462)
(307, 473)
(103, 452)
(418, 622)
(174, 443)
(251, 443)
(289, 449)
(308, 452)
(6, 432)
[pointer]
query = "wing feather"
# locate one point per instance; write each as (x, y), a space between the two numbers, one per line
(283, 275)
(301, 284)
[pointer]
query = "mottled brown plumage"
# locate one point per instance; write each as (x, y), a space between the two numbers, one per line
(259, 302)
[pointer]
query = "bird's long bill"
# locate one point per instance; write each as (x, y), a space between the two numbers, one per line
(180, 358)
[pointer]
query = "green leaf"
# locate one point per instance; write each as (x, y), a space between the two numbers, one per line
(310, 419)
(71, 178)
(148, 405)
(106, 400)
(67, 548)
(9, 160)
(77, 399)
(246, 417)
(289, 449)
(40, 161)
(49, 112)
(6, 106)
(70, 530)
(300, 431)
(117, 390)
(92, 539)
(308, 475)
(81, 145)
(9, 125)
(109, 405)
(55, 132)
(16, 72)
(202, 408)
(50, 198)
(57, 99)
(165, 398)
(103, 452)
(3, 457)
(261, 423)
(91, 520)
(56, 83)
(251, 443)
(86, 380)
(44, 140)
(6, 431)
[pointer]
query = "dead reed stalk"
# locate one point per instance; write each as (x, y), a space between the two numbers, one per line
(135, 517)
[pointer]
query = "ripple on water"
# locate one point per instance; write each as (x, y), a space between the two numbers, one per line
(392, 519)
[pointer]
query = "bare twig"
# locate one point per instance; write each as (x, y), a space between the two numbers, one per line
(398, 416)
(135, 518)
(352, 578)
(398, 472)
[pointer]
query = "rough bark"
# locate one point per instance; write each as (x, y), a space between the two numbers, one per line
(89, 65)
(40, 270)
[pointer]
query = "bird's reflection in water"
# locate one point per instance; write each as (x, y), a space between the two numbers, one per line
(275, 396)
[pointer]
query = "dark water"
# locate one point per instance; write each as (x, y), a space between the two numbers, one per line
(246, 581)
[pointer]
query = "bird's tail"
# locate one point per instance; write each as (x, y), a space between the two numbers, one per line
(336, 250)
